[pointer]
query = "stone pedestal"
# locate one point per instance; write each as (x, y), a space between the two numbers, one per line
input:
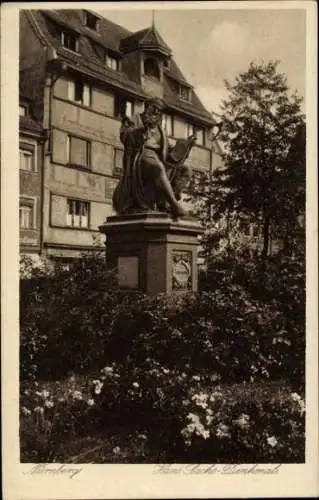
(153, 252)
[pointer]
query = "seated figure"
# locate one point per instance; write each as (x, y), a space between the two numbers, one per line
(153, 175)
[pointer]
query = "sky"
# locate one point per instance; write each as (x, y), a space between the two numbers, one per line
(212, 45)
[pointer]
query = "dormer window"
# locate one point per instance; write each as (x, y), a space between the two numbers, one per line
(91, 21)
(167, 64)
(112, 62)
(69, 40)
(151, 68)
(184, 93)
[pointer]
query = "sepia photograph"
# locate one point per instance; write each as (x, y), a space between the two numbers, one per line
(162, 238)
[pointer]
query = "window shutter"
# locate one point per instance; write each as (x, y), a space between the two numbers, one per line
(86, 95)
(59, 210)
(71, 90)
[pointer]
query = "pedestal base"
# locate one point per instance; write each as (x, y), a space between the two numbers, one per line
(153, 252)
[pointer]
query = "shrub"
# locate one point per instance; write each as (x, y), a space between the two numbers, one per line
(65, 314)
(223, 332)
(76, 320)
(178, 418)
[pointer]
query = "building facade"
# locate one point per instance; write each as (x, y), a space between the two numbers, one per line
(31, 141)
(83, 74)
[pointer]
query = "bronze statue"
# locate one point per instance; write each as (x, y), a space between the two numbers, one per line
(154, 174)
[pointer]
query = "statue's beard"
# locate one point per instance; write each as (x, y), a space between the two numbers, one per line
(151, 120)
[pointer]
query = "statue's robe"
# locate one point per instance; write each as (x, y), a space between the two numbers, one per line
(136, 190)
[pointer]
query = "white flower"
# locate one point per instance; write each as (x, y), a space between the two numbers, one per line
(90, 402)
(107, 370)
(98, 386)
(116, 450)
(272, 441)
(205, 434)
(300, 401)
(25, 411)
(295, 396)
(77, 395)
(196, 378)
(209, 419)
(222, 431)
(136, 385)
(195, 427)
(242, 421)
(39, 409)
(200, 399)
(43, 394)
(49, 404)
(142, 436)
(193, 418)
(166, 371)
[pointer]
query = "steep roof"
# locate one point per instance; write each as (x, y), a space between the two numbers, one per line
(114, 37)
(28, 123)
(148, 38)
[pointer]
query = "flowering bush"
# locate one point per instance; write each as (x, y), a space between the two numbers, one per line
(168, 415)
(249, 423)
(50, 415)
(212, 376)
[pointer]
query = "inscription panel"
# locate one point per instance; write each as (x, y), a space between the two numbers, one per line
(182, 270)
(128, 271)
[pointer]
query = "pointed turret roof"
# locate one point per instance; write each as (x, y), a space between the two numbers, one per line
(147, 39)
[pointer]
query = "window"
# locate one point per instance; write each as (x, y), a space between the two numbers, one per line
(79, 92)
(77, 213)
(123, 107)
(118, 161)
(78, 151)
(26, 160)
(189, 129)
(112, 62)
(22, 111)
(69, 40)
(91, 21)
(27, 213)
(129, 109)
(184, 93)
(200, 135)
(168, 124)
(151, 68)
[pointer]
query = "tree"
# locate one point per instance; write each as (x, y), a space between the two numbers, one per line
(257, 183)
